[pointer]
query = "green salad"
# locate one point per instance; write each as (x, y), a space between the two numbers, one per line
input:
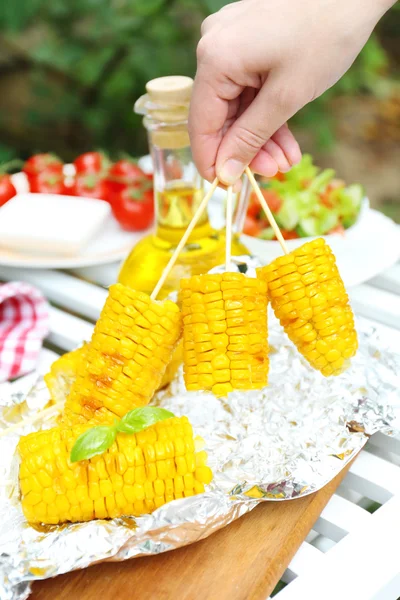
(306, 201)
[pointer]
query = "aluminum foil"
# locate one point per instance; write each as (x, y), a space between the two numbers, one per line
(283, 442)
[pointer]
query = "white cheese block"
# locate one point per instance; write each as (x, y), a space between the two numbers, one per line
(50, 223)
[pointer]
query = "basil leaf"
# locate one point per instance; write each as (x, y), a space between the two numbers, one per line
(140, 418)
(94, 441)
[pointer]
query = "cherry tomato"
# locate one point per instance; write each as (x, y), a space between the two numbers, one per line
(325, 199)
(339, 229)
(252, 226)
(279, 176)
(91, 162)
(42, 162)
(90, 186)
(273, 200)
(125, 173)
(133, 208)
(7, 189)
(289, 235)
(254, 206)
(47, 182)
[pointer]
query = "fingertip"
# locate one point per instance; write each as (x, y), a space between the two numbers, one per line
(277, 154)
(263, 164)
(285, 139)
(295, 154)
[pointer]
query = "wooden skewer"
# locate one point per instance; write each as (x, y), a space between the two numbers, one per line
(267, 210)
(228, 227)
(184, 239)
(54, 409)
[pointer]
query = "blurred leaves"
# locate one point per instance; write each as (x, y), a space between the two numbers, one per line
(83, 63)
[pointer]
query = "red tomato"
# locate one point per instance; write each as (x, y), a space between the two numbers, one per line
(133, 208)
(289, 235)
(273, 200)
(279, 176)
(325, 199)
(125, 173)
(47, 182)
(42, 162)
(252, 226)
(90, 186)
(7, 189)
(338, 229)
(254, 206)
(91, 162)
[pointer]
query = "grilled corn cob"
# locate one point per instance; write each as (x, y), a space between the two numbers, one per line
(225, 333)
(123, 365)
(136, 475)
(62, 374)
(309, 298)
(63, 371)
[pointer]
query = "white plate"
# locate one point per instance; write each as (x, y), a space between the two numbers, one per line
(112, 244)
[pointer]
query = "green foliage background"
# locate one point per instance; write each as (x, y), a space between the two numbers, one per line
(70, 71)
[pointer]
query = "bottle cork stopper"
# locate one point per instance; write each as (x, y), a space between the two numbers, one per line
(172, 90)
(167, 102)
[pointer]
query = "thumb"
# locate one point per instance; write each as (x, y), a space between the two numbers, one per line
(269, 110)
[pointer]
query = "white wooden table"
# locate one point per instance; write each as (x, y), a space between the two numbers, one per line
(350, 553)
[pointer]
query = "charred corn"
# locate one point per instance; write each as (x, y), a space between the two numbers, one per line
(63, 372)
(225, 333)
(309, 298)
(136, 475)
(124, 363)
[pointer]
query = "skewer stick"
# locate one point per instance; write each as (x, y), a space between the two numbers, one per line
(267, 210)
(184, 239)
(228, 226)
(46, 412)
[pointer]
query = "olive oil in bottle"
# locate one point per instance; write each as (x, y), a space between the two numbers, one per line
(178, 191)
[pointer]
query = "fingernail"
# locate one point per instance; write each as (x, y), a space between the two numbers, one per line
(231, 171)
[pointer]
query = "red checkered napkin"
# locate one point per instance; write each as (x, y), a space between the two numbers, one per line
(24, 322)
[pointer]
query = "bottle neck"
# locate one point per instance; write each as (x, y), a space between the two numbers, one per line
(178, 187)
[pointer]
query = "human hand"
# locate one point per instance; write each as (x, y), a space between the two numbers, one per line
(259, 62)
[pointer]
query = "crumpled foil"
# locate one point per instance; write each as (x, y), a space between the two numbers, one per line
(280, 443)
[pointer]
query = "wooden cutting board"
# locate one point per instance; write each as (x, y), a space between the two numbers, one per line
(243, 561)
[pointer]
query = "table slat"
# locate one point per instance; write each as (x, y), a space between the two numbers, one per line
(376, 304)
(374, 477)
(389, 280)
(67, 331)
(339, 517)
(65, 290)
(365, 564)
